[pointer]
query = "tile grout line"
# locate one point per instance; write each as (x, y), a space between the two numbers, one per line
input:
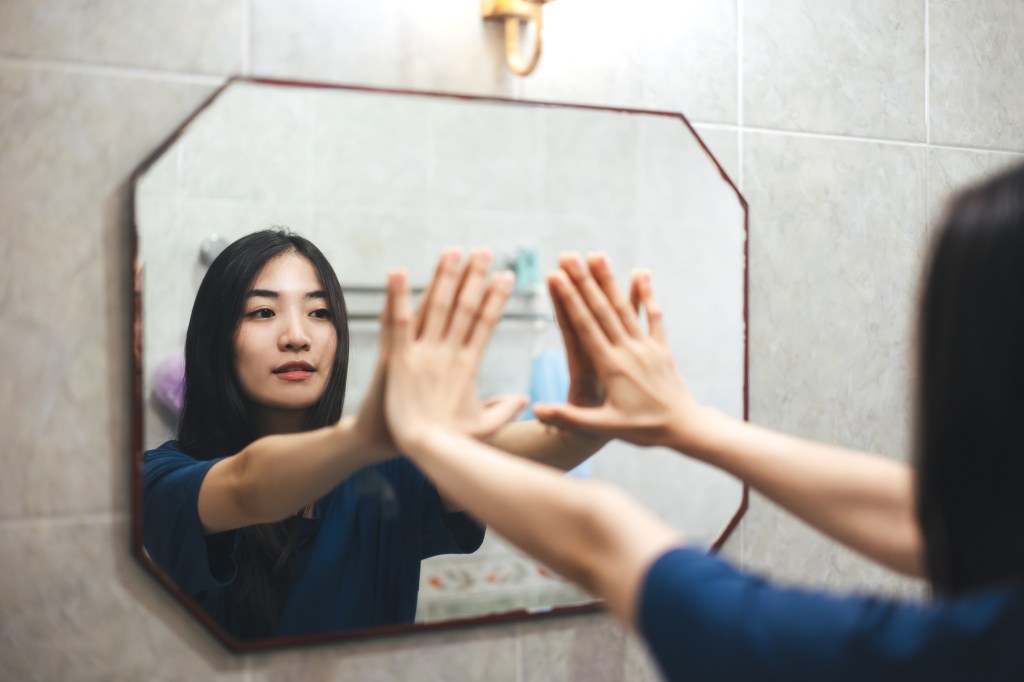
(114, 71)
(247, 37)
(519, 652)
(66, 519)
(927, 121)
(872, 140)
(210, 79)
(927, 73)
(739, 93)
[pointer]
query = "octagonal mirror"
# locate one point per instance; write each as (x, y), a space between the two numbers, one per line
(382, 179)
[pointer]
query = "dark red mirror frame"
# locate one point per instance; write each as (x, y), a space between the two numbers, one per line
(237, 645)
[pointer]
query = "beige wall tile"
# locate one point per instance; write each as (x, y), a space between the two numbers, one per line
(201, 36)
(588, 647)
(405, 44)
(952, 170)
(485, 654)
(70, 144)
(851, 67)
(76, 606)
(977, 56)
(678, 56)
(836, 243)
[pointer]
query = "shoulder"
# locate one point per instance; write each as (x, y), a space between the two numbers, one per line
(168, 462)
(699, 614)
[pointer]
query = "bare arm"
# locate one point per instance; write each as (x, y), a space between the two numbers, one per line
(556, 447)
(276, 476)
(862, 500)
(586, 531)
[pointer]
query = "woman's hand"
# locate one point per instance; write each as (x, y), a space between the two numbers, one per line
(585, 388)
(647, 402)
(434, 356)
(370, 428)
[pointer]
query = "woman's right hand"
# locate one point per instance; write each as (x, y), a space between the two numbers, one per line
(646, 402)
(435, 354)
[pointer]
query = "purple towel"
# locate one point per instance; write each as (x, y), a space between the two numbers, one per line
(169, 384)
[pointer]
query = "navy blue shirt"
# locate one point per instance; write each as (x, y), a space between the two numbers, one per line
(357, 563)
(703, 620)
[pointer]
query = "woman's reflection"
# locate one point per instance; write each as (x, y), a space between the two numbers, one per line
(271, 511)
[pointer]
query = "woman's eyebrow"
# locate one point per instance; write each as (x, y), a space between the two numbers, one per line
(267, 293)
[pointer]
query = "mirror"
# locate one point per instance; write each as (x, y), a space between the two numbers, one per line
(379, 179)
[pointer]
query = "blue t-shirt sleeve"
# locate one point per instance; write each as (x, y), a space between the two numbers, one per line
(447, 532)
(441, 532)
(172, 533)
(702, 619)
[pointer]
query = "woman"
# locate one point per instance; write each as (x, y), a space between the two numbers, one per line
(956, 519)
(275, 514)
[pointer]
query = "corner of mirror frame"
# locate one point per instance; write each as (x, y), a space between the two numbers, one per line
(234, 644)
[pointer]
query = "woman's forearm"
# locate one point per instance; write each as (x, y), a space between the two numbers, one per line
(586, 531)
(864, 501)
(276, 476)
(549, 445)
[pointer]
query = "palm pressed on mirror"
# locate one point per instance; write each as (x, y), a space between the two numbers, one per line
(365, 180)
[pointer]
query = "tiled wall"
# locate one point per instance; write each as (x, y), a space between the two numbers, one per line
(846, 123)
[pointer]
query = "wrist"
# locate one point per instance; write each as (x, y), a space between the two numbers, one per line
(427, 439)
(362, 444)
(696, 433)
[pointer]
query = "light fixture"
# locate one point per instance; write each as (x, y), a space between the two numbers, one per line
(516, 13)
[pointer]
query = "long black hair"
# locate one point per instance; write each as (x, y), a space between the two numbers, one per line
(216, 418)
(970, 402)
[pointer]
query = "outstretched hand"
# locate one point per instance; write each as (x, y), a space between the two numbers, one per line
(434, 355)
(646, 399)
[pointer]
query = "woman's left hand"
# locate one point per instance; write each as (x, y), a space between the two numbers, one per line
(434, 356)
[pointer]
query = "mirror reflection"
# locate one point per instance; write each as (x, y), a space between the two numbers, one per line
(265, 231)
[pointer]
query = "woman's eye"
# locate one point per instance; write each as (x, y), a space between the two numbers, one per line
(262, 313)
(322, 313)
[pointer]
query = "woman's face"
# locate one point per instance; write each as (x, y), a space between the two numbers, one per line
(285, 344)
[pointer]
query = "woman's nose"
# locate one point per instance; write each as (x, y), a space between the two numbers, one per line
(295, 336)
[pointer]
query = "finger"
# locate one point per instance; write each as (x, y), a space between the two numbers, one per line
(498, 411)
(399, 312)
(489, 314)
(425, 299)
(569, 336)
(634, 291)
(579, 317)
(471, 292)
(442, 297)
(595, 299)
(654, 317)
(602, 273)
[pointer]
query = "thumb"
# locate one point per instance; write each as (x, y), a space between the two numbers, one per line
(497, 412)
(591, 419)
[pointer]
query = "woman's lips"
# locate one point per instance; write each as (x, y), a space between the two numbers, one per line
(294, 375)
(294, 371)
